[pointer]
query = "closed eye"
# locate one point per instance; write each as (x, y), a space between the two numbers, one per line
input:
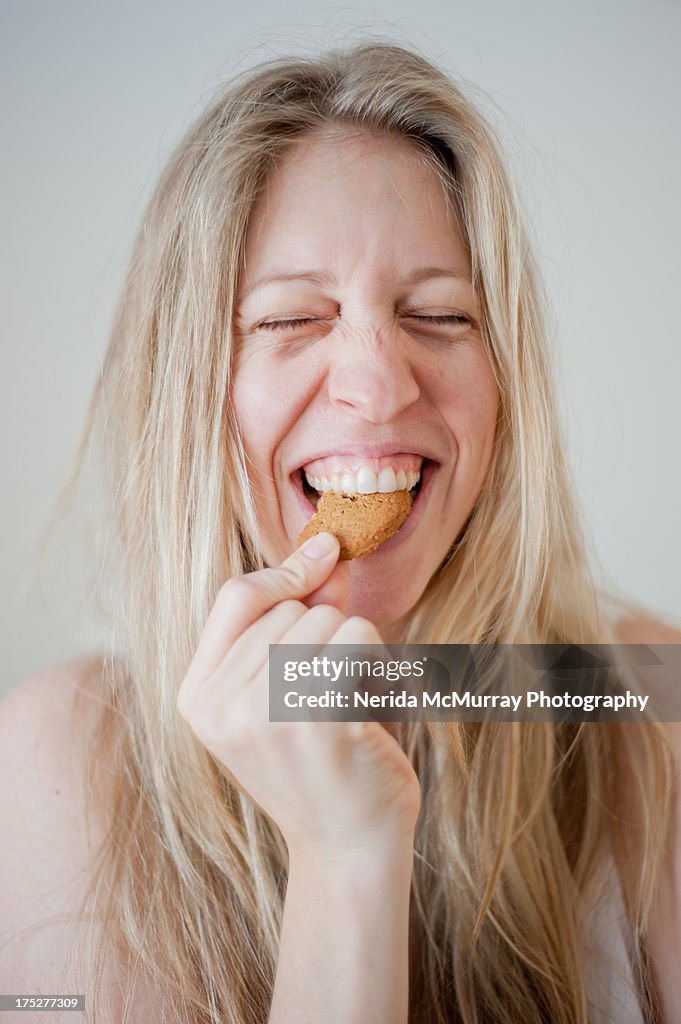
(279, 325)
(449, 318)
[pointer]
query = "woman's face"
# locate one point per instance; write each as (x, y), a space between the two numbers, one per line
(359, 347)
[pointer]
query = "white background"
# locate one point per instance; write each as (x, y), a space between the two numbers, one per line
(94, 96)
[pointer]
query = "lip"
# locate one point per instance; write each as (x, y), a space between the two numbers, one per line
(368, 451)
(429, 471)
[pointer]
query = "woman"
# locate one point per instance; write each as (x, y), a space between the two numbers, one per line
(331, 277)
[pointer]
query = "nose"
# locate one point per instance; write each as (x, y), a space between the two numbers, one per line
(371, 375)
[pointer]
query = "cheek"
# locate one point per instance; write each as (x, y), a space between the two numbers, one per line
(469, 402)
(485, 410)
(269, 396)
(259, 398)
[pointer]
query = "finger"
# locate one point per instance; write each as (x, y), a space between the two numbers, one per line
(251, 650)
(245, 658)
(314, 628)
(335, 590)
(243, 599)
(356, 630)
(351, 640)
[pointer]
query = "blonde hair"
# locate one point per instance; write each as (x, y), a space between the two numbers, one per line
(515, 818)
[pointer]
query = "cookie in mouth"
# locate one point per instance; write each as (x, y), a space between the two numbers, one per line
(361, 522)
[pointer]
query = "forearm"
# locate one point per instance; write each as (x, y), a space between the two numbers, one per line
(344, 945)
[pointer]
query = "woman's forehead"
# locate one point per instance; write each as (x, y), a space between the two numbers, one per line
(379, 169)
(352, 202)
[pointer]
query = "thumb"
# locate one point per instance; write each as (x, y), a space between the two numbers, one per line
(301, 573)
(334, 590)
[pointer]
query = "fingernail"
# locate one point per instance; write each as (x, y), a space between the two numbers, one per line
(320, 546)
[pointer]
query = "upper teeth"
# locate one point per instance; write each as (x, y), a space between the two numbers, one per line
(365, 481)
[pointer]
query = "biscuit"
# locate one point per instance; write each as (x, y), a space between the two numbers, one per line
(361, 522)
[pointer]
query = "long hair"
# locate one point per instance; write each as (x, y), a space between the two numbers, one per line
(516, 818)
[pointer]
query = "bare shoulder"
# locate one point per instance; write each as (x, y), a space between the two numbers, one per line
(38, 713)
(643, 629)
(45, 723)
(49, 836)
(56, 794)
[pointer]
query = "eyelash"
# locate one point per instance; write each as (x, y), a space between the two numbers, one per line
(273, 325)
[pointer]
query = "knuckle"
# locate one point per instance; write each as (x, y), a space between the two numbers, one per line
(227, 732)
(291, 575)
(291, 607)
(227, 729)
(325, 615)
(235, 591)
(360, 732)
(362, 628)
(239, 587)
(183, 703)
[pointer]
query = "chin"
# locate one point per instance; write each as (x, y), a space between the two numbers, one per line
(382, 597)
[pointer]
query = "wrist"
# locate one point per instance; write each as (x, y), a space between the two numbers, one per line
(389, 856)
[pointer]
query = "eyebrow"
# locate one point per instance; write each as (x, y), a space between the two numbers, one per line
(323, 278)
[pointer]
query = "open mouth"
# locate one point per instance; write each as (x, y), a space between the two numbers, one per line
(312, 495)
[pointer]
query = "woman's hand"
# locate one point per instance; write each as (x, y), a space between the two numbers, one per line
(333, 788)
